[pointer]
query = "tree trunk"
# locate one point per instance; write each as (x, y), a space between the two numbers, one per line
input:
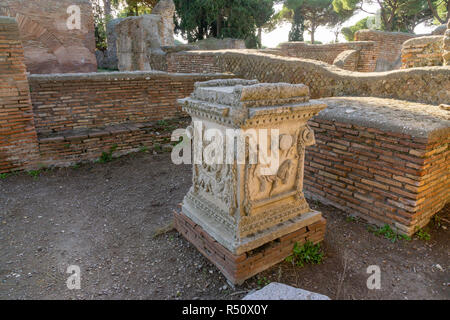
(448, 12)
(219, 24)
(259, 38)
(107, 6)
(435, 14)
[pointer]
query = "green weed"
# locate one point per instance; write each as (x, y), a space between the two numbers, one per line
(308, 253)
(388, 233)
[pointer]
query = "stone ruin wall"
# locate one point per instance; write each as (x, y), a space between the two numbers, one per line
(66, 123)
(77, 117)
(428, 84)
(50, 47)
(387, 49)
(422, 52)
(71, 102)
(389, 171)
(446, 46)
(108, 59)
(58, 119)
(18, 142)
(140, 39)
(366, 58)
(374, 51)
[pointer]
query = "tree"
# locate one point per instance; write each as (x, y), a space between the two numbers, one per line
(103, 13)
(241, 19)
(349, 32)
(298, 27)
(395, 15)
(440, 10)
(262, 12)
(310, 14)
(134, 7)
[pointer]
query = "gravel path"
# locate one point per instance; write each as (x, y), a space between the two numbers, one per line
(110, 220)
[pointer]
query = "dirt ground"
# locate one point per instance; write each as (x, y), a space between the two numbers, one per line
(104, 217)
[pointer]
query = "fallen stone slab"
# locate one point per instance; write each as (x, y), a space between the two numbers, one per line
(280, 291)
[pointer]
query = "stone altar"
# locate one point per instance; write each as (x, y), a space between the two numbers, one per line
(246, 215)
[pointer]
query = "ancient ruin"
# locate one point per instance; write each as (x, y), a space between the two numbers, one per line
(355, 132)
(238, 207)
(52, 42)
(422, 52)
(446, 46)
(108, 59)
(165, 9)
(140, 39)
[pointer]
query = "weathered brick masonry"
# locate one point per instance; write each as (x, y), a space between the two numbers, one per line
(385, 160)
(427, 84)
(79, 116)
(422, 52)
(79, 101)
(238, 268)
(18, 142)
(387, 48)
(367, 58)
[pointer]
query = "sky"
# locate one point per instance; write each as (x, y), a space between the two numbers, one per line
(323, 34)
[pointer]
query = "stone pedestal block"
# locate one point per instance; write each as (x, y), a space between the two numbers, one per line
(139, 39)
(252, 195)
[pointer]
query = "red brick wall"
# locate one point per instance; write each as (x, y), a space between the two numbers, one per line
(329, 52)
(66, 102)
(78, 117)
(387, 49)
(428, 85)
(18, 143)
(385, 177)
(187, 62)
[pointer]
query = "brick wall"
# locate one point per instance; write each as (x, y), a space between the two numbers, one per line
(387, 48)
(190, 62)
(426, 84)
(49, 45)
(18, 143)
(82, 101)
(80, 116)
(422, 51)
(329, 52)
(376, 171)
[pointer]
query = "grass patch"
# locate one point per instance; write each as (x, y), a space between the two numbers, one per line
(157, 147)
(162, 123)
(4, 175)
(309, 253)
(76, 165)
(388, 233)
(262, 282)
(143, 149)
(34, 173)
(107, 156)
(423, 235)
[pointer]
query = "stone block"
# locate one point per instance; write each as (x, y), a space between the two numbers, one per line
(139, 39)
(280, 291)
(249, 193)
